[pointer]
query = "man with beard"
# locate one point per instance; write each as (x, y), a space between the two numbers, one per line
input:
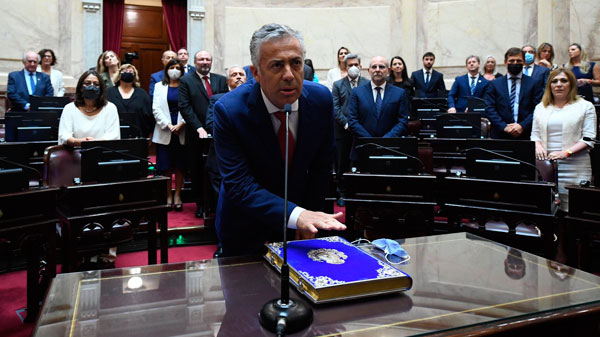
(195, 91)
(511, 99)
(377, 109)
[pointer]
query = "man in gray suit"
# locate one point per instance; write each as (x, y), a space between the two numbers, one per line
(341, 91)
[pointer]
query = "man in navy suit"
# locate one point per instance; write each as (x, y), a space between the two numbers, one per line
(511, 99)
(538, 73)
(470, 84)
(248, 140)
(377, 109)
(428, 82)
(341, 91)
(184, 56)
(27, 82)
(156, 77)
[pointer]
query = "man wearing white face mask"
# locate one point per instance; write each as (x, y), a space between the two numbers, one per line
(341, 91)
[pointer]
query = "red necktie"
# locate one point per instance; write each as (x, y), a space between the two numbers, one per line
(281, 137)
(208, 87)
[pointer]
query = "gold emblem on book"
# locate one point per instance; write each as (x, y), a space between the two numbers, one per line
(327, 255)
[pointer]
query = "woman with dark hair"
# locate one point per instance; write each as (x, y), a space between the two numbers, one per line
(399, 76)
(564, 126)
(90, 116)
(340, 71)
(586, 72)
(545, 56)
(48, 59)
(128, 97)
(108, 67)
(169, 130)
(489, 67)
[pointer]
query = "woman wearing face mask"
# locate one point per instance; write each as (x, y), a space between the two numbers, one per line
(340, 71)
(90, 116)
(108, 67)
(169, 130)
(586, 72)
(129, 98)
(399, 76)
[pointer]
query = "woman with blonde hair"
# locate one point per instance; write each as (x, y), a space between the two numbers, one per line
(489, 67)
(586, 72)
(545, 55)
(340, 71)
(564, 127)
(108, 67)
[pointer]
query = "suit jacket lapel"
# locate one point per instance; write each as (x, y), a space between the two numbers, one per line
(263, 123)
(305, 121)
(201, 82)
(504, 88)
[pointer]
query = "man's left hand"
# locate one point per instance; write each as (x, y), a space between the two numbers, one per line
(311, 222)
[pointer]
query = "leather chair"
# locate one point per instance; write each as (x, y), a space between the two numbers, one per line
(62, 164)
(486, 126)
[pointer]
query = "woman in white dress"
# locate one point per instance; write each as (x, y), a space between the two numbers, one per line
(564, 127)
(48, 59)
(340, 71)
(90, 116)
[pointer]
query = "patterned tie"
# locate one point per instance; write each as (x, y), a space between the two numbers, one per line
(208, 87)
(513, 96)
(281, 137)
(427, 80)
(472, 85)
(32, 83)
(378, 101)
(353, 84)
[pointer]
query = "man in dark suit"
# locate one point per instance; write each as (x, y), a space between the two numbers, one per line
(156, 77)
(470, 84)
(377, 109)
(341, 91)
(27, 82)
(511, 99)
(183, 56)
(538, 73)
(195, 91)
(249, 142)
(428, 82)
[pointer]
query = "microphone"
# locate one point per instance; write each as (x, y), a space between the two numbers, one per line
(394, 151)
(150, 167)
(40, 178)
(443, 111)
(285, 315)
(507, 157)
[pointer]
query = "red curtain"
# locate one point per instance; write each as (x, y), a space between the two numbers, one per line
(175, 12)
(112, 21)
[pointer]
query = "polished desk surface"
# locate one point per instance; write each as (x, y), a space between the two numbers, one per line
(460, 284)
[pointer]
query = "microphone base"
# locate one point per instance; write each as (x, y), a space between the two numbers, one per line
(298, 315)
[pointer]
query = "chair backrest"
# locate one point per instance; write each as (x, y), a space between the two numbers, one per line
(62, 164)
(485, 127)
(547, 169)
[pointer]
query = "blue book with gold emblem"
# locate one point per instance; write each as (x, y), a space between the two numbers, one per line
(332, 269)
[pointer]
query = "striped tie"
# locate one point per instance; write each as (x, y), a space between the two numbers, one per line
(472, 85)
(513, 96)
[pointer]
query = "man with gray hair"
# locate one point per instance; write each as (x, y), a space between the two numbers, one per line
(341, 91)
(250, 142)
(27, 82)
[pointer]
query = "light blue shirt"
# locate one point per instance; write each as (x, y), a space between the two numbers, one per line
(518, 90)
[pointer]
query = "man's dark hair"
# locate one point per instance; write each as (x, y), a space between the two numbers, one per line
(100, 101)
(512, 52)
(428, 54)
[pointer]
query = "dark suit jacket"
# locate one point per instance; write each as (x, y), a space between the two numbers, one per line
(436, 87)
(540, 76)
(17, 92)
(193, 99)
(155, 78)
(362, 113)
(210, 113)
(461, 89)
(341, 92)
(498, 110)
(250, 206)
(189, 69)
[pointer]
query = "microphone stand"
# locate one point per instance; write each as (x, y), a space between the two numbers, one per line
(509, 158)
(40, 178)
(285, 315)
(150, 167)
(394, 151)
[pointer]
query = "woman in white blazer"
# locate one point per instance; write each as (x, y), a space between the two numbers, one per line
(169, 131)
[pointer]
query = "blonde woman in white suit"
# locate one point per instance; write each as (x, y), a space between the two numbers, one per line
(169, 131)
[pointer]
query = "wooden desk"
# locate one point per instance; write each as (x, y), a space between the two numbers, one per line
(111, 205)
(28, 223)
(460, 288)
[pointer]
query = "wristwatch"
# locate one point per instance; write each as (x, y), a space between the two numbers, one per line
(569, 153)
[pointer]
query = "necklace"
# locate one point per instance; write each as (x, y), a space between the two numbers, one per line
(88, 110)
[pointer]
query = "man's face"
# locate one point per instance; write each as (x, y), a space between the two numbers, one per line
(428, 62)
(353, 62)
(472, 65)
(515, 59)
(203, 62)
(168, 56)
(378, 70)
(529, 50)
(31, 61)
(182, 55)
(280, 70)
(237, 77)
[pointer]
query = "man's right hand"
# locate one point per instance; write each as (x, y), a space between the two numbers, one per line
(202, 133)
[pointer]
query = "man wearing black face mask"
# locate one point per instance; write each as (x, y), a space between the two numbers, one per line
(511, 99)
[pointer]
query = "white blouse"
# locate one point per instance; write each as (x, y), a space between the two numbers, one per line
(102, 126)
(56, 79)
